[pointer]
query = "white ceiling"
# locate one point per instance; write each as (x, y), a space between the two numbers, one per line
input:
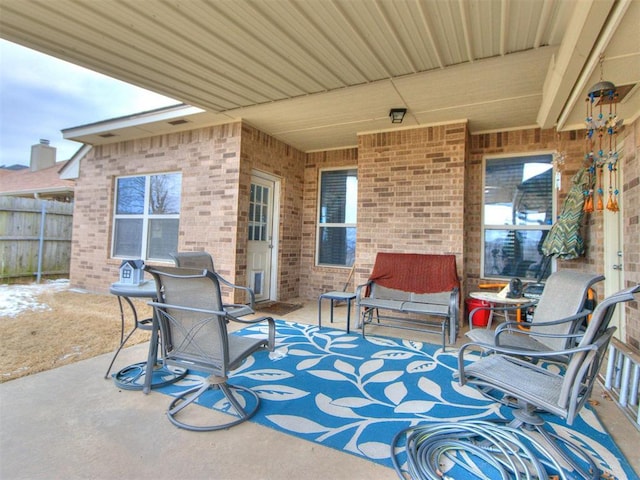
(315, 73)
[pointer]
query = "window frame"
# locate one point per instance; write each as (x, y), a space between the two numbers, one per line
(484, 227)
(145, 216)
(320, 225)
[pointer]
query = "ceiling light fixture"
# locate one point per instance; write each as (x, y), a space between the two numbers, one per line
(601, 144)
(397, 114)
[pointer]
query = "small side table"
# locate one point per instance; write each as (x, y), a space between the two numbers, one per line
(336, 296)
(496, 300)
(150, 373)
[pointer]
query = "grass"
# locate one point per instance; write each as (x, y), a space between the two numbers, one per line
(76, 326)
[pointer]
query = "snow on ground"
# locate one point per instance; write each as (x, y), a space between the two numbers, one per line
(15, 299)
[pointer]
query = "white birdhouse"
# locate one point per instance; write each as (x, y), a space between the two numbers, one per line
(132, 272)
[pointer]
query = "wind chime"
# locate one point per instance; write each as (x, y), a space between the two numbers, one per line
(601, 155)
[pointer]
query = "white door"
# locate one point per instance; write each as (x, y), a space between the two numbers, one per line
(262, 237)
(613, 253)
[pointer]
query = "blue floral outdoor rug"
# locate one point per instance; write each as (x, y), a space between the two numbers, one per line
(355, 394)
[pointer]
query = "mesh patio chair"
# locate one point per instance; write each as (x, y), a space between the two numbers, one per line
(193, 332)
(559, 313)
(204, 261)
(535, 388)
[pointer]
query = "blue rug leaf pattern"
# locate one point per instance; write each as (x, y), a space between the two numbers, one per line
(355, 394)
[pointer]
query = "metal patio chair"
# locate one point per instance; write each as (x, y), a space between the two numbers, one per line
(558, 315)
(193, 330)
(204, 261)
(535, 388)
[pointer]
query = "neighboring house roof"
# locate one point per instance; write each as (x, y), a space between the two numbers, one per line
(45, 182)
(12, 168)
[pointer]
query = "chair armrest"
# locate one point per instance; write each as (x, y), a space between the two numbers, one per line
(454, 309)
(252, 296)
(504, 307)
(161, 305)
(270, 321)
(360, 292)
(510, 324)
(360, 289)
(454, 301)
(515, 353)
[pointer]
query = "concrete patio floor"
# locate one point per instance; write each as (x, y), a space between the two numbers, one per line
(72, 423)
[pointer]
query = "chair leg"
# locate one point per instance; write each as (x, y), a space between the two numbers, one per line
(187, 398)
(227, 390)
(213, 383)
(367, 317)
(113, 359)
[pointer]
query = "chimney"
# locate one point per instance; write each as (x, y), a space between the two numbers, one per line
(42, 155)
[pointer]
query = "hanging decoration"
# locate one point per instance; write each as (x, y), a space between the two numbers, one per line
(601, 152)
(559, 158)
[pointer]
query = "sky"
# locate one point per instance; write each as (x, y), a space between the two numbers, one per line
(41, 95)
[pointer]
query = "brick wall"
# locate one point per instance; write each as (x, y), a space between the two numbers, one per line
(264, 153)
(418, 191)
(411, 187)
(320, 279)
(410, 200)
(572, 143)
(216, 178)
(209, 161)
(631, 226)
(518, 142)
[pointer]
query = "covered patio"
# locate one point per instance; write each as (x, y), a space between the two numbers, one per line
(70, 422)
(289, 88)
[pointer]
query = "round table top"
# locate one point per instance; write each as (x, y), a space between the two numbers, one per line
(147, 289)
(494, 297)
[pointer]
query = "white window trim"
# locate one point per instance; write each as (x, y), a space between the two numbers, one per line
(144, 247)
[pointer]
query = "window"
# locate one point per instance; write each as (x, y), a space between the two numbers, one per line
(336, 235)
(518, 211)
(259, 201)
(147, 215)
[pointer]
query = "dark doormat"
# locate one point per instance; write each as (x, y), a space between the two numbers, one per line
(277, 308)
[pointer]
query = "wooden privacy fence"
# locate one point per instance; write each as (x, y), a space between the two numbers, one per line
(35, 237)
